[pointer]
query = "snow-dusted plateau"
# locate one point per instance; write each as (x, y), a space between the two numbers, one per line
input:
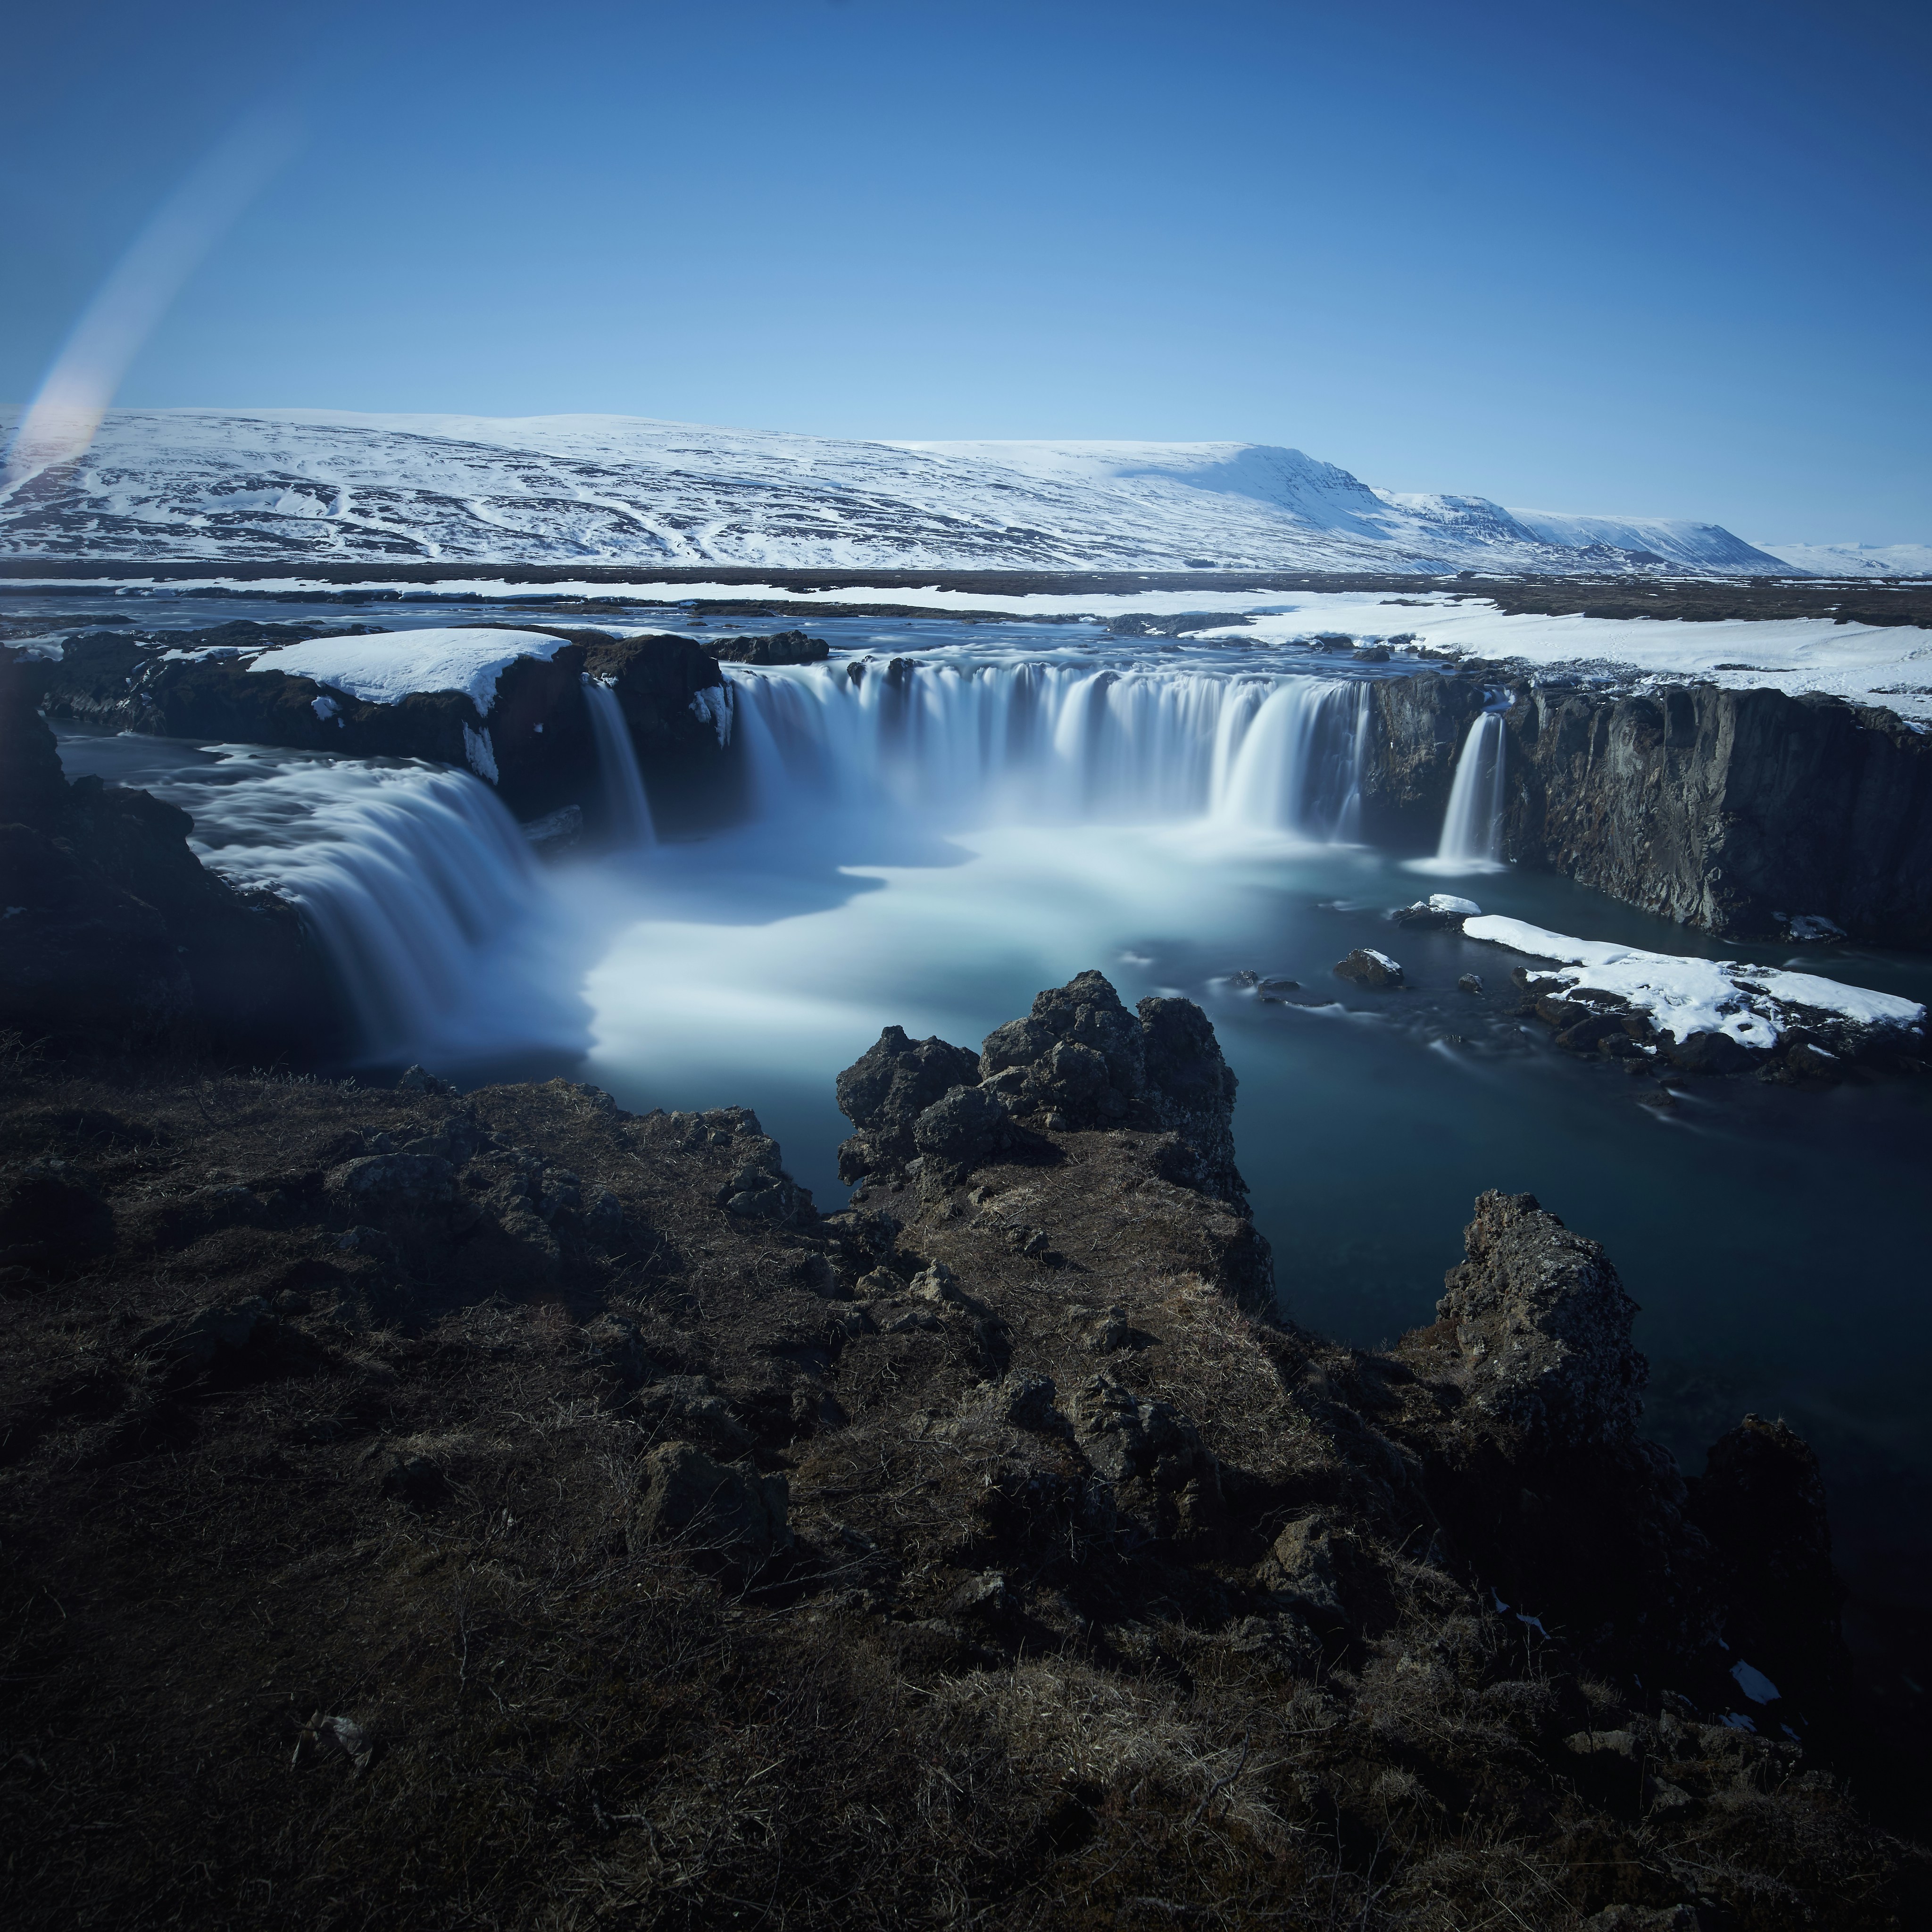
(251, 484)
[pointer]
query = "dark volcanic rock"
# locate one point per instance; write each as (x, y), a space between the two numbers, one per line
(1736, 811)
(711, 1506)
(1762, 1503)
(678, 706)
(113, 929)
(1730, 809)
(1081, 1059)
(966, 1127)
(762, 1557)
(1418, 726)
(884, 1092)
(1366, 967)
(535, 744)
(1542, 1325)
(782, 647)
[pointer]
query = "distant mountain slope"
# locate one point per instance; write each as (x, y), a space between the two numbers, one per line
(1704, 547)
(240, 485)
(1855, 560)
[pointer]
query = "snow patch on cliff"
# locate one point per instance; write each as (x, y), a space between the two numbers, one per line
(391, 665)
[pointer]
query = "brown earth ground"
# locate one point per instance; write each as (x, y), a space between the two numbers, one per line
(500, 1511)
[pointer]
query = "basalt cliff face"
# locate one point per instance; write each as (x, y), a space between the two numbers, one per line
(541, 755)
(1732, 810)
(111, 930)
(425, 1507)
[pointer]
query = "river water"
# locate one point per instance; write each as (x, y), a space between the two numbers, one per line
(930, 848)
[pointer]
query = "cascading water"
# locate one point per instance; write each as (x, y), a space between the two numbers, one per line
(624, 810)
(417, 882)
(968, 743)
(1472, 827)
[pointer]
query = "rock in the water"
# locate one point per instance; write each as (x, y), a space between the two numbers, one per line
(1470, 983)
(1543, 1325)
(781, 647)
(711, 1506)
(1439, 912)
(1367, 967)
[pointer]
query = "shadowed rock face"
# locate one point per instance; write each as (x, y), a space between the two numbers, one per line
(1730, 810)
(538, 730)
(883, 1092)
(111, 927)
(1543, 1326)
(1727, 808)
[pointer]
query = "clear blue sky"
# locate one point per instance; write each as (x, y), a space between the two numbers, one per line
(1670, 259)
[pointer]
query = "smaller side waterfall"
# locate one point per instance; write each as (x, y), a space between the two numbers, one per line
(1472, 827)
(624, 810)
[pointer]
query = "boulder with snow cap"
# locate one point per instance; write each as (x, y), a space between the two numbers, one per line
(1365, 967)
(1439, 912)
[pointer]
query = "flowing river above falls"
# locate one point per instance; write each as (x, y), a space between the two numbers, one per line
(931, 851)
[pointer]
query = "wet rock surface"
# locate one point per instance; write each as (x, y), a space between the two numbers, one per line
(659, 1538)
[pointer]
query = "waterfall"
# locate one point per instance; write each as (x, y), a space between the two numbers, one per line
(1070, 743)
(1472, 827)
(625, 812)
(416, 881)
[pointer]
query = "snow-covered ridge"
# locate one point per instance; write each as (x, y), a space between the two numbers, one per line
(1849, 560)
(1682, 995)
(331, 486)
(1694, 546)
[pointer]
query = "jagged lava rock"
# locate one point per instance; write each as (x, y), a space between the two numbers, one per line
(1543, 1326)
(884, 1092)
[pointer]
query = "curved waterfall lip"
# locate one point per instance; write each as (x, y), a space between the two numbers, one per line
(964, 742)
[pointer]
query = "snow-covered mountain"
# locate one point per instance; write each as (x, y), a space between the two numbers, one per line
(253, 485)
(1675, 541)
(1856, 559)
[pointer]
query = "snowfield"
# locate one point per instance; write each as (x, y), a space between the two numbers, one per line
(265, 483)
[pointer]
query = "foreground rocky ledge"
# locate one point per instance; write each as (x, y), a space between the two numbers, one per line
(425, 1509)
